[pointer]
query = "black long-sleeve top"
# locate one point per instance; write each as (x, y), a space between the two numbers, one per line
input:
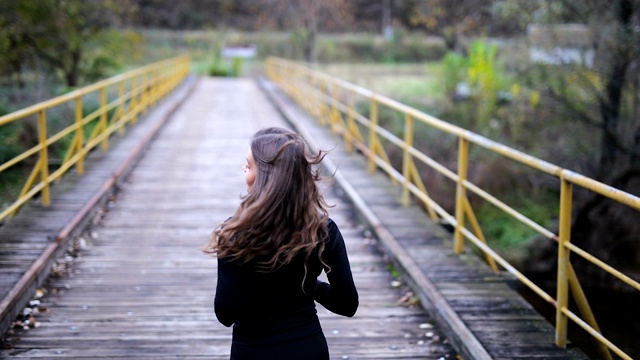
(268, 307)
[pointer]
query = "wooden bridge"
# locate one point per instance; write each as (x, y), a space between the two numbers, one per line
(128, 280)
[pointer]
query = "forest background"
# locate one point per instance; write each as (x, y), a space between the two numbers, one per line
(557, 79)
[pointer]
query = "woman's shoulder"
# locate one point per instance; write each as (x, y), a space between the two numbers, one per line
(332, 227)
(333, 233)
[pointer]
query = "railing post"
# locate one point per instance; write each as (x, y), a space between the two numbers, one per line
(141, 94)
(406, 157)
(562, 301)
(350, 124)
(310, 99)
(463, 159)
(80, 136)
(144, 93)
(44, 158)
(103, 118)
(120, 111)
(335, 113)
(133, 101)
(373, 118)
(157, 81)
(323, 115)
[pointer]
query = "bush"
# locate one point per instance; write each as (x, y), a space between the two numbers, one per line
(10, 146)
(407, 47)
(219, 70)
(237, 66)
(454, 67)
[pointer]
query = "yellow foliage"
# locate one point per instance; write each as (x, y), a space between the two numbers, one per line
(534, 100)
(515, 90)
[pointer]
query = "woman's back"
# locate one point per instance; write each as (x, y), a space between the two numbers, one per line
(271, 252)
(272, 306)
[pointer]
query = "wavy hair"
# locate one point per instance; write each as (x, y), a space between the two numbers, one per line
(283, 215)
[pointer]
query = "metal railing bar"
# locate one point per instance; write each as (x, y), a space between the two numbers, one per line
(425, 159)
(604, 266)
(30, 152)
(80, 92)
(602, 189)
(59, 172)
(23, 199)
(583, 324)
(429, 202)
(509, 210)
(139, 89)
(508, 267)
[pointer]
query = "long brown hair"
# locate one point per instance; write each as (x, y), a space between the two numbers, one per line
(283, 215)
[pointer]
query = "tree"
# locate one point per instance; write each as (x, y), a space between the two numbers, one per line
(198, 14)
(449, 19)
(603, 95)
(304, 18)
(60, 32)
(606, 84)
(14, 52)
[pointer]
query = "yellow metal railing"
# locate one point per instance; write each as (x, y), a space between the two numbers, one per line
(119, 101)
(331, 101)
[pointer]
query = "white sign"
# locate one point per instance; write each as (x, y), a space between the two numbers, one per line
(245, 52)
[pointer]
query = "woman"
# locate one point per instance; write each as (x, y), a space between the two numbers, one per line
(271, 251)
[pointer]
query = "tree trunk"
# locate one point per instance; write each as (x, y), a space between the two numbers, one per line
(450, 37)
(634, 158)
(71, 78)
(609, 109)
(614, 84)
(72, 74)
(310, 40)
(604, 228)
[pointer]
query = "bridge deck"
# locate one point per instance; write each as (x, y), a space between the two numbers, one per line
(140, 287)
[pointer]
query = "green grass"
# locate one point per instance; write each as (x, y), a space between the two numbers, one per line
(418, 85)
(503, 231)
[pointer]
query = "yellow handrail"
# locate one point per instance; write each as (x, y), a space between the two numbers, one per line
(131, 94)
(315, 90)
